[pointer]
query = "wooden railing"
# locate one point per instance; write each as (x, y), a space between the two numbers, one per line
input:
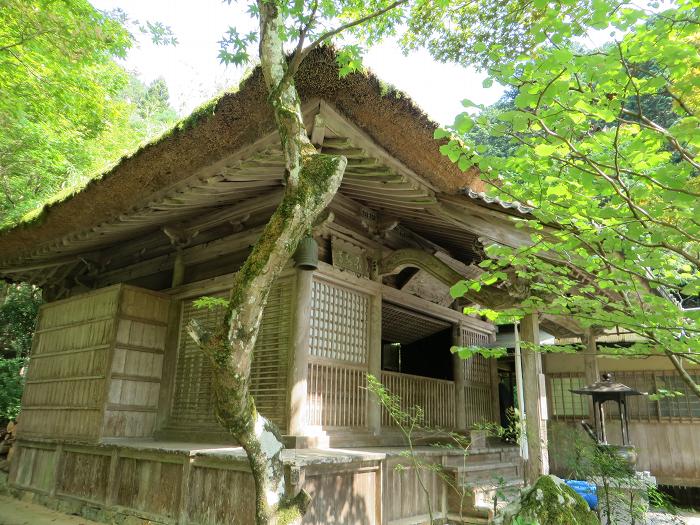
(435, 396)
(336, 395)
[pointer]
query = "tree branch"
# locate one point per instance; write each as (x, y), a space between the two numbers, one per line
(330, 34)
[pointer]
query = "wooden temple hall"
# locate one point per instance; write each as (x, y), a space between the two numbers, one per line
(117, 414)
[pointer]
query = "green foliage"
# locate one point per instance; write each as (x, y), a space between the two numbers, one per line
(11, 385)
(19, 307)
(603, 146)
(549, 501)
(211, 303)
(65, 112)
(512, 432)
(465, 352)
(18, 314)
(411, 420)
(581, 458)
(469, 32)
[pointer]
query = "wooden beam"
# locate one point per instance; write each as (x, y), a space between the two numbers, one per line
(190, 256)
(535, 401)
(358, 137)
(489, 296)
(591, 373)
(374, 360)
(499, 230)
(568, 323)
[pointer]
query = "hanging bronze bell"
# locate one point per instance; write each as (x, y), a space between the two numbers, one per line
(306, 256)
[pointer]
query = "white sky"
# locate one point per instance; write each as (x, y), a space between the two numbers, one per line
(193, 73)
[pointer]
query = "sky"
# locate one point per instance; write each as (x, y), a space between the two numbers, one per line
(193, 73)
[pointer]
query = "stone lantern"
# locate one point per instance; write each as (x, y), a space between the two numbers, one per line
(608, 390)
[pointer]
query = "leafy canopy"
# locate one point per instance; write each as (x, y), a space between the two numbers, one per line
(476, 32)
(63, 113)
(604, 148)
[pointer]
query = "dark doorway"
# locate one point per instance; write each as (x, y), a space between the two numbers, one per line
(414, 343)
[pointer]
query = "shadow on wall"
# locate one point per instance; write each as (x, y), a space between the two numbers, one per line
(342, 498)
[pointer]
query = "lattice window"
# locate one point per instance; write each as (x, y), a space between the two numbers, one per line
(193, 397)
(685, 406)
(563, 403)
(477, 374)
(339, 323)
(400, 325)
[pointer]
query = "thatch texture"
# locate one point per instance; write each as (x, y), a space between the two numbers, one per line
(226, 125)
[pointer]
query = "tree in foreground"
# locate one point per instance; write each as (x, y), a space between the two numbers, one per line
(312, 178)
(607, 144)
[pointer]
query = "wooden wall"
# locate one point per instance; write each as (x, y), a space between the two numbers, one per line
(137, 364)
(95, 366)
(189, 488)
(192, 407)
(339, 342)
(405, 501)
(64, 394)
(664, 431)
(343, 495)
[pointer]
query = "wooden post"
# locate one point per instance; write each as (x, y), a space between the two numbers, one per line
(172, 338)
(590, 364)
(535, 402)
(299, 366)
(460, 381)
(374, 362)
(178, 268)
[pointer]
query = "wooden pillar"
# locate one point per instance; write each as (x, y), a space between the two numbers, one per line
(590, 364)
(535, 401)
(460, 381)
(374, 361)
(172, 336)
(178, 268)
(299, 366)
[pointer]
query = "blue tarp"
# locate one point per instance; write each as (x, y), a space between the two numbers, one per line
(586, 490)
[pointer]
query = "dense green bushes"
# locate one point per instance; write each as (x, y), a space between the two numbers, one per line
(19, 306)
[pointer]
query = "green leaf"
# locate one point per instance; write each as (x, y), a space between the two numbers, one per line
(463, 123)
(545, 150)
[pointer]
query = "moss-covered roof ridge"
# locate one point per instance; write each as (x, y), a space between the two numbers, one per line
(226, 124)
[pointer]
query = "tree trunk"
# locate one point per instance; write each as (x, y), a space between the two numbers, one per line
(312, 179)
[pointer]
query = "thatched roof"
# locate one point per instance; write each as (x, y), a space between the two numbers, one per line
(230, 123)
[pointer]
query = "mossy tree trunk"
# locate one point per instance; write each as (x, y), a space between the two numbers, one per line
(312, 179)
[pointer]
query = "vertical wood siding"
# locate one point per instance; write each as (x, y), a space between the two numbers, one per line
(340, 498)
(478, 384)
(95, 365)
(403, 496)
(149, 486)
(436, 397)
(64, 394)
(137, 365)
(219, 496)
(337, 395)
(193, 396)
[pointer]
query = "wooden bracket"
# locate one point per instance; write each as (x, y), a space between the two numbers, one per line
(179, 237)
